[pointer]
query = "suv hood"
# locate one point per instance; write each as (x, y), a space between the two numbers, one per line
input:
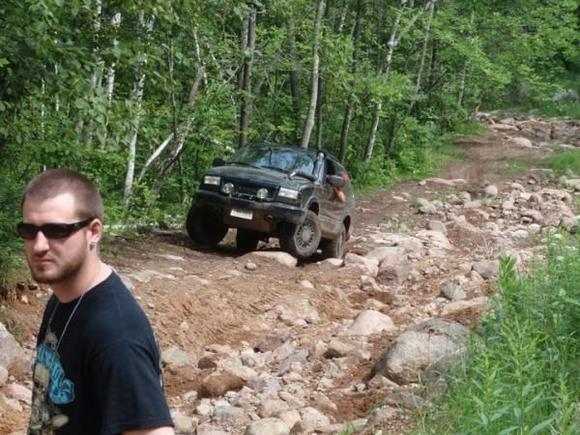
(256, 175)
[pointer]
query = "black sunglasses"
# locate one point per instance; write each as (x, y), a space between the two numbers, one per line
(50, 231)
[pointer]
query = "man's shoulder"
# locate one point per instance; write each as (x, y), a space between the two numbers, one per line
(112, 313)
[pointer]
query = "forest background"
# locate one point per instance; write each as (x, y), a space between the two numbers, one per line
(142, 95)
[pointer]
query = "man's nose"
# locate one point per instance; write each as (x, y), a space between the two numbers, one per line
(40, 243)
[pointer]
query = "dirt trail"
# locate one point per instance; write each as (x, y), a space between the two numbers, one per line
(197, 298)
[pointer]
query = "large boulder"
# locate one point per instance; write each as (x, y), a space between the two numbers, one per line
(10, 351)
(268, 426)
(370, 322)
(429, 343)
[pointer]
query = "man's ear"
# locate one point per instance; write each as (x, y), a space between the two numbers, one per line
(95, 231)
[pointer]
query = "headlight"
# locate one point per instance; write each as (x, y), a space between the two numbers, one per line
(227, 188)
(288, 193)
(262, 193)
(212, 180)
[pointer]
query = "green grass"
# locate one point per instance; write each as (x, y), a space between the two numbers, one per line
(521, 375)
(515, 167)
(565, 163)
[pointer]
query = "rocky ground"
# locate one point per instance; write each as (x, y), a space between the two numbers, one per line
(257, 344)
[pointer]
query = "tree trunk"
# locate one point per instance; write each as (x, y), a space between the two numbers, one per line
(294, 81)
(246, 108)
(354, 66)
(115, 24)
(136, 99)
(394, 40)
(315, 73)
(182, 130)
(422, 60)
(466, 64)
(319, 112)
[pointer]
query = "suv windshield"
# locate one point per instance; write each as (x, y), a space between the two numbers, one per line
(282, 159)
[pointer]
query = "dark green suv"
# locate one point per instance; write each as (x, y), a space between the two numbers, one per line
(303, 197)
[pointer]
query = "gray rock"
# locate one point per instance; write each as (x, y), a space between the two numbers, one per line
(234, 366)
(520, 234)
(453, 291)
(272, 407)
(272, 341)
(369, 284)
(370, 322)
(18, 392)
(570, 223)
(368, 266)
(473, 306)
(491, 191)
(386, 253)
(210, 429)
(420, 347)
(487, 268)
(3, 376)
(435, 225)
(281, 257)
(183, 423)
(297, 357)
(290, 417)
(268, 426)
(265, 384)
(312, 419)
(229, 413)
(11, 351)
(435, 239)
(522, 142)
(535, 215)
(176, 357)
(403, 399)
(426, 206)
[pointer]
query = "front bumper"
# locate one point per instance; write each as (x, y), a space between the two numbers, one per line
(265, 215)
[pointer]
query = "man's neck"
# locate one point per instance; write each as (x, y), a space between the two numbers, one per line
(83, 282)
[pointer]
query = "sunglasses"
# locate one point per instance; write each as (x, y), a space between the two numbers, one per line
(50, 231)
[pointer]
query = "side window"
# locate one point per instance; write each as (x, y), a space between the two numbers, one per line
(330, 167)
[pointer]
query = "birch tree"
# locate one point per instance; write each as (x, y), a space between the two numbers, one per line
(246, 76)
(309, 124)
(394, 40)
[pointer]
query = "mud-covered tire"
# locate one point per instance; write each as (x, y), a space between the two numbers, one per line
(205, 226)
(302, 240)
(334, 248)
(247, 241)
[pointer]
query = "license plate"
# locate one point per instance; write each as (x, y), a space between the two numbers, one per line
(242, 214)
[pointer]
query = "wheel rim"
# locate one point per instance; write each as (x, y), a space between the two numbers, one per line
(305, 234)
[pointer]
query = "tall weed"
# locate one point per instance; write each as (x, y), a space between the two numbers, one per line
(521, 374)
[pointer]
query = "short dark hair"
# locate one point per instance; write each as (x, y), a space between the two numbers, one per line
(54, 182)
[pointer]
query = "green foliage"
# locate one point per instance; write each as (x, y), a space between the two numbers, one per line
(566, 163)
(57, 107)
(521, 374)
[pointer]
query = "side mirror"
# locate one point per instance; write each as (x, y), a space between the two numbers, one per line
(218, 161)
(335, 180)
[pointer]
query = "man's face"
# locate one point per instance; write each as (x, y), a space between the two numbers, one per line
(54, 261)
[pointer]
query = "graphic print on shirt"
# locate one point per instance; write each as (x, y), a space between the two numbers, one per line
(51, 388)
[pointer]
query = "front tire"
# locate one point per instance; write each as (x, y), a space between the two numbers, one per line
(302, 240)
(334, 248)
(205, 226)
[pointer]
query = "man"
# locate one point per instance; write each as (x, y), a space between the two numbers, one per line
(96, 369)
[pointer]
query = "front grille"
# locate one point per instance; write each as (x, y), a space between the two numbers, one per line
(250, 191)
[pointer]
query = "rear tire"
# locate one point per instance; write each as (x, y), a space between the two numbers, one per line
(247, 241)
(205, 226)
(302, 240)
(334, 248)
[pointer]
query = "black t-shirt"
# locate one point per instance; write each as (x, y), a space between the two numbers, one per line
(97, 367)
